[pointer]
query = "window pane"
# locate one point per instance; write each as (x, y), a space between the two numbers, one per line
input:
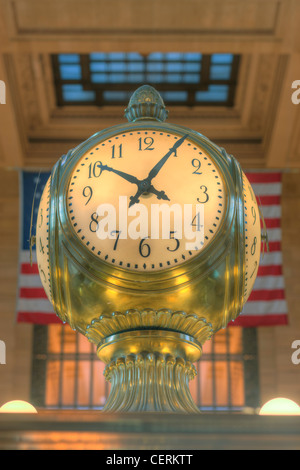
(174, 67)
(68, 383)
(69, 58)
(191, 78)
(136, 67)
(98, 56)
(174, 95)
(84, 377)
(76, 93)
(116, 95)
(155, 56)
(155, 67)
(215, 93)
(70, 72)
(222, 384)
(99, 77)
(235, 340)
(237, 384)
(54, 338)
(220, 72)
(220, 342)
(206, 384)
(99, 67)
(192, 66)
(221, 58)
(52, 384)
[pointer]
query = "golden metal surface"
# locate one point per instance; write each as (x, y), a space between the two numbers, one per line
(143, 322)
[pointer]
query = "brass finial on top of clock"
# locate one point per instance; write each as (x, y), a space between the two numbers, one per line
(146, 103)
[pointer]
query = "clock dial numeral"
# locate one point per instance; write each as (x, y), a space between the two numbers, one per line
(197, 223)
(146, 143)
(252, 193)
(144, 248)
(43, 273)
(116, 152)
(196, 164)
(41, 246)
(94, 222)
(253, 214)
(87, 192)
(205, 197)
(176, 240)
(117, 232)
(254, 269)
(253, 246)
(95, 170)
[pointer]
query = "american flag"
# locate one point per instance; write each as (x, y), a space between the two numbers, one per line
(266, 305)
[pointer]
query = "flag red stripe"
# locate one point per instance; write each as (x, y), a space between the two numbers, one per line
(267, 294)
(39, 318)
(272, 270)
(273, 246)
(269, 200)
(33, 293)
(272, 223)
(260, 320)
(26, 268)
(264, 177)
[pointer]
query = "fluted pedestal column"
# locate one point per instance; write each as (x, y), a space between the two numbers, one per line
(150, 382)
(149, 367)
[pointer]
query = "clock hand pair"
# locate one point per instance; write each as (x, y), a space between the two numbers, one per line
(143, 185)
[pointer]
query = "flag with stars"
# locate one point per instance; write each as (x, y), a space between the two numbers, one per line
(33, 305)
(266, 305)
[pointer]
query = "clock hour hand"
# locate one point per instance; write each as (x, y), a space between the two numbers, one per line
(135, 199)
(158, 194)
(126, 176)
(160, 164)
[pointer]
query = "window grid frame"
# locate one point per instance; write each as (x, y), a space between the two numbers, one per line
(191, 88)
(40, 358)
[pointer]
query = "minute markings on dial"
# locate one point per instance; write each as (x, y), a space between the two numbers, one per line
(92, 157)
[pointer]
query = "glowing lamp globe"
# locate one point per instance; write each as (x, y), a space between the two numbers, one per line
(17, 406)
(280, 406)
(148, 301)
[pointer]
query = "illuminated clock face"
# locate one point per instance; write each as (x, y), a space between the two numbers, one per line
(146, 200)
(252, 237)
(42, 239)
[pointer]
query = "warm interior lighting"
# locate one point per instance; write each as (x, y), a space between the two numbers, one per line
(280, 406)
(17, 406)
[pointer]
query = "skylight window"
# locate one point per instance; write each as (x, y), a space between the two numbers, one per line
(188, 79)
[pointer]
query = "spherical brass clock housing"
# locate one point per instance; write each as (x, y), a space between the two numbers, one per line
(148, 302)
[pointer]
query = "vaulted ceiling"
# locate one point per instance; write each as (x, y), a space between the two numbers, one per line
(262, 129)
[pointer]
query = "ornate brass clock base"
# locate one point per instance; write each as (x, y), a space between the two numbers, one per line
(150, 382)
(149, 367)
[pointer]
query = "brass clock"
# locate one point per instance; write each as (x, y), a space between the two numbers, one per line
(152, 237)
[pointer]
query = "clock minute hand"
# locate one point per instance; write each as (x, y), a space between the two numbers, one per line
(126, 176)
(160, 164)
